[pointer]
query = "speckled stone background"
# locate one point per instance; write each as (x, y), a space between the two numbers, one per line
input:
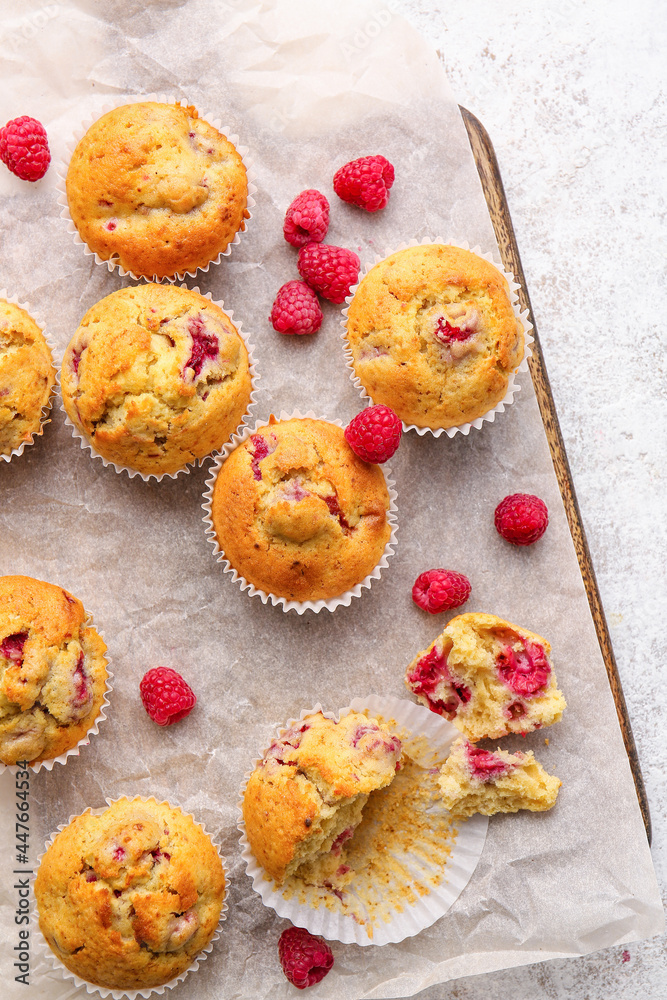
(572, 95)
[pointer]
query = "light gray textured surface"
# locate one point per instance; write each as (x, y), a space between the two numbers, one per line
(572, 95)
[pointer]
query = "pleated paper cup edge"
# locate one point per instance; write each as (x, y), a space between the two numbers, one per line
(114, 265)
(318, 921)
(513, 387)
(344, 599)
(52, 960)
(186, 469)
(48, 765)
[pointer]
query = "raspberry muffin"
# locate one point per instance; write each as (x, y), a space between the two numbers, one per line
(305, 798)
(488, 677)
(52, 671)
(297, 513)
(432, 334)
(156, 189)
(473, 780)
(156, 377)
(27, 375)
(128, 899)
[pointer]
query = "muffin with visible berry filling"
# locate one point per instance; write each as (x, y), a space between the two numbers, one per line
(156, 377)
(305, 798)
(473, 780)
(52, 671)
(432, 334)
(129, 898)
(27, 375)
(157, 189)
(489, 677)
(297, 513)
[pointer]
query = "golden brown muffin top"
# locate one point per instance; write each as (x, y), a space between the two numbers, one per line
(157, 188)
(297, 513)
(128, 898)
(52, 670)
(155, 377)
(433, 334)
(27, 375)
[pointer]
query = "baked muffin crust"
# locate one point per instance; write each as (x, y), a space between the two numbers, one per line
(297, 513)
(27, 375)
(307, 794)
(433, 335)
(128, 899)
(52, 671)
(156, 377)
(156, 188)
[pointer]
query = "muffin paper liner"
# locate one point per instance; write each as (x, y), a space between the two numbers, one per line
(48, 959)
(187, 468)
(114, 265)
(287, 605)
(46, 409)
(47, 765)
(433, 737)
(512, 388)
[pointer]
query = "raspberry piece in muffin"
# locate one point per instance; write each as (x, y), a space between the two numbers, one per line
(305, 799)
(297, 513)
(52, 671)
(489, 677)
(27, 376)
(478, 781)
(157, 188)
(127, 899)
(155, 377)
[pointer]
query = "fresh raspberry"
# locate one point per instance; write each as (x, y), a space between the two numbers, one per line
(440, 590)
(166, 696)
(305, 959)
(330, 270)
(365, 182)
(374, 434)
(24, 148)
(307, 219)
(296, 309)
(521, 518)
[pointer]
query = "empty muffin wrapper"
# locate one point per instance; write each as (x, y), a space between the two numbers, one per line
(46, 409)
(300, 607)
(113, 264)
(414, 860)
(74, 751)
(187, 468)
(48, 961)
(513, 386)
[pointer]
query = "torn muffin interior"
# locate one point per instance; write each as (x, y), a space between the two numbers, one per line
(305, 798)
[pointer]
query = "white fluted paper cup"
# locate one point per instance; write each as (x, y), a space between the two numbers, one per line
(46, 408)
(93, 730)
(513, 386)
(414, 859)
(113, 263)
(48, 960)
(300, 607)
(187, 468)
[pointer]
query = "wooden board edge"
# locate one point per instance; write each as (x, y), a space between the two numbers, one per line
(494, 192)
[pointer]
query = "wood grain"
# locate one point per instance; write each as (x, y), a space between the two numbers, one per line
(494, 192)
